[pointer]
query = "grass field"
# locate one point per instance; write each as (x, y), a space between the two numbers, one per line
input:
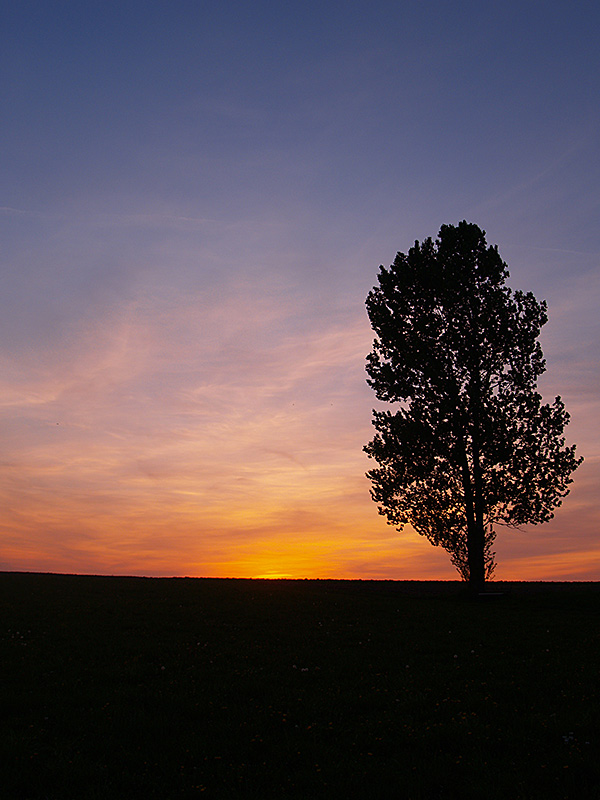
(175, 688)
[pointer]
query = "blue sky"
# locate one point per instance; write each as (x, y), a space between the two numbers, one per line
(196, 197)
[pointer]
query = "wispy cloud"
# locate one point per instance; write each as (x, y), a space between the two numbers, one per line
(214, 418)
(8, 210)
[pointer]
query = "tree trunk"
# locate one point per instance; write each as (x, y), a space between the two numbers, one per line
(473, 484)
(475, 532)
(476, 542)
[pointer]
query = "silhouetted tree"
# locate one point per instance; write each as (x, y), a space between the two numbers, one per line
(471, 445)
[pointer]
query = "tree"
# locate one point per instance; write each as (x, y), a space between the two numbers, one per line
(471, 446)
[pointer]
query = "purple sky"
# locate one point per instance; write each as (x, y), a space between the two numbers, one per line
(195, 201)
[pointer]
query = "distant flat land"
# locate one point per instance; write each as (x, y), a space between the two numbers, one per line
(182, 687)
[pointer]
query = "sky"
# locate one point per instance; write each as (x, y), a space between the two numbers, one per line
(195, 199)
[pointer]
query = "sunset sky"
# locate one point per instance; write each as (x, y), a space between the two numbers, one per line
(194, 203)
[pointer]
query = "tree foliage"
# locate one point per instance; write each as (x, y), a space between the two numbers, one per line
(471, 445)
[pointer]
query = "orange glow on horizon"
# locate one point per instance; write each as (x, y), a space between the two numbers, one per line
(253, 468)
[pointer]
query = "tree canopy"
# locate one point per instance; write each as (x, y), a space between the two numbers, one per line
(471, 445)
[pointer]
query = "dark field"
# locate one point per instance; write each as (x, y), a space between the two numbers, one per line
(173, 688)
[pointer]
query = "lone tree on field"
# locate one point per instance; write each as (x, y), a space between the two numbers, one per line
(471, 445)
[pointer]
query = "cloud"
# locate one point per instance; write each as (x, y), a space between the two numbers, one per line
(8, 210)
(215, 434)
(196, 421)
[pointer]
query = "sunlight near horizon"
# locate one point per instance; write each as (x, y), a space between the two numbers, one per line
(274, 576)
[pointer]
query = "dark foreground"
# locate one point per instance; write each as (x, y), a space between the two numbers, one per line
(175, 688)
